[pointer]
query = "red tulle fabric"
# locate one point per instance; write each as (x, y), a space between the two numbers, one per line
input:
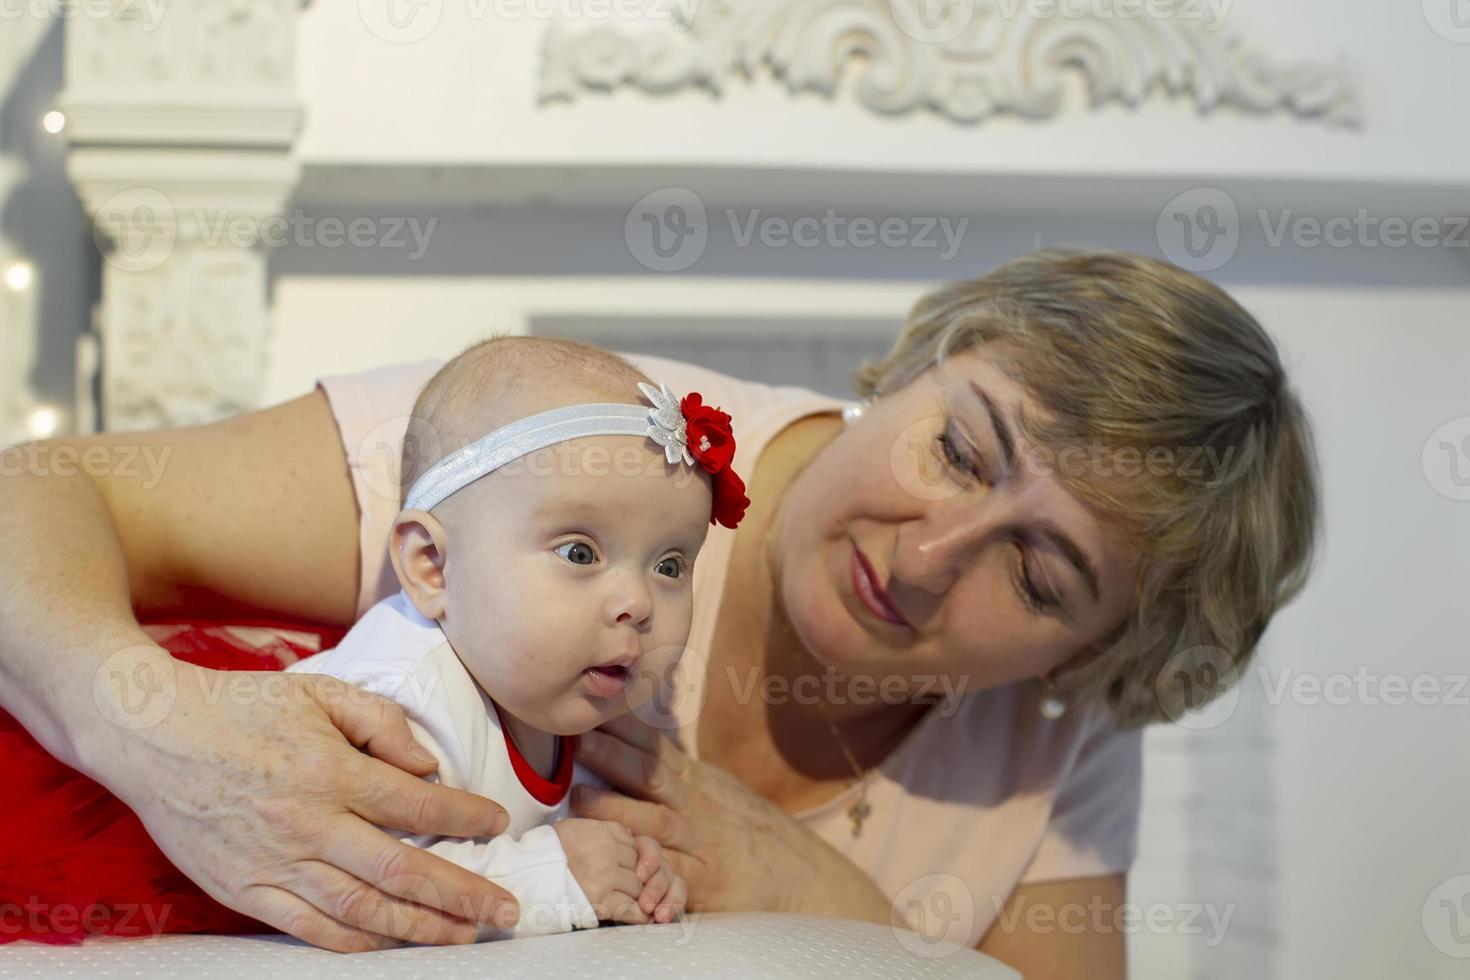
(74, 860)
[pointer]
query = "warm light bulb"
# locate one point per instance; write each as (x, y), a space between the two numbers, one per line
(43, 422)
(53, 121)
(19, 276)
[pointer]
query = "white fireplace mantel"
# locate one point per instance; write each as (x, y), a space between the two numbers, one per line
(225, 112)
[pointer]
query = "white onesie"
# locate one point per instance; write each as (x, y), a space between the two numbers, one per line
(396, 652)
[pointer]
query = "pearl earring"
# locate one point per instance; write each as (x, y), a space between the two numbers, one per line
(1052, 706)
(853, 411)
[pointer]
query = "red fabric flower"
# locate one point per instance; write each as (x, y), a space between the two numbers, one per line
(711, 442)
(730, 498)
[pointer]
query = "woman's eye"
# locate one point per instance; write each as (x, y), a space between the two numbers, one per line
(672, 567)
(1026, 587)
(956, 457)
(577, 552)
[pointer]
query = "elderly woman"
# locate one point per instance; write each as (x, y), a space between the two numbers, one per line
(917, 673)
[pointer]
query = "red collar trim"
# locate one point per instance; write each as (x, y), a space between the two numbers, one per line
(548, 792)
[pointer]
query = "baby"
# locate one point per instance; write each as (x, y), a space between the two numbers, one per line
(545, 563)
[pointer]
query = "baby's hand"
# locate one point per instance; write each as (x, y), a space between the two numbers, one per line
(664, 893)
(604, 858)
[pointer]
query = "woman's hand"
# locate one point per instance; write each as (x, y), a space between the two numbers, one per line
(736, 850)
(254, 786)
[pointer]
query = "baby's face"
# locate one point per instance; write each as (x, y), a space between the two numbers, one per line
(569, 578)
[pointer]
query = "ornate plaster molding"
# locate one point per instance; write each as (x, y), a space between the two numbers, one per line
(983, 57)
(181, 119)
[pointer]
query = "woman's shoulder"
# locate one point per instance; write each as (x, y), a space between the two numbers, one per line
(1008, 746)
(375, 401)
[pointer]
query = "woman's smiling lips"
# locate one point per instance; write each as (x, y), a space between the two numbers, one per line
(870, 593)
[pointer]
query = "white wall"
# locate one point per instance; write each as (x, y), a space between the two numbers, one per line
(472, 100)
(1373, 797)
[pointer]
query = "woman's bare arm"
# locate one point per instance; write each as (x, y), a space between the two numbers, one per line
(1069, 928)
(254, 513)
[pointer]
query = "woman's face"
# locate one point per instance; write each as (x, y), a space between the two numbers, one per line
(997, 572)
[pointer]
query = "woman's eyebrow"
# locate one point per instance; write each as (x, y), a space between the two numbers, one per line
(1059, 538)
(1003, 436)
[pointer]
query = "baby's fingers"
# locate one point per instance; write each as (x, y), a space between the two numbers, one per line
(655, 888)
(673, 904)
(622, 907)
(649, 856)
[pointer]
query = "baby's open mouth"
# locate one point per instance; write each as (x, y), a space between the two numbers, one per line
(606, 681)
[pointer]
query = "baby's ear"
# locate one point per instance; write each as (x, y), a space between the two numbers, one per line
(417, 547)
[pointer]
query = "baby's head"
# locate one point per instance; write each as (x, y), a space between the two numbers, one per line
(575, 556)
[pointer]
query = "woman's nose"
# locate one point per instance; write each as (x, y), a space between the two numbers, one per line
(930, 553)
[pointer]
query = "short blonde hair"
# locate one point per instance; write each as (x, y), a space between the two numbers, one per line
(1128, 353)
(495, 382)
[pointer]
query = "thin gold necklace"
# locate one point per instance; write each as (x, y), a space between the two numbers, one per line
(859, 810)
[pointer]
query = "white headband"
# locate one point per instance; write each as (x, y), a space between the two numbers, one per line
(664, 423)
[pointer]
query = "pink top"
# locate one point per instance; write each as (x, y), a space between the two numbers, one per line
(979, 797)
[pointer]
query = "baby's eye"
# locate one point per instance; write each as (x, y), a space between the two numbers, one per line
(672, 567)
(578, 553)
